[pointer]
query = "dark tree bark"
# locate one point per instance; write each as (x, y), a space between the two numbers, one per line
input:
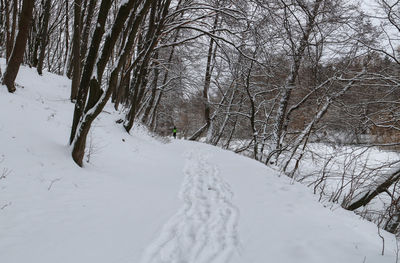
(252, 112)
(10, 28)
(86, 29)
(83, 10)
(121, 90)
(35, 40)
(367, 197)
(153, 90)
(44, 35)
(140, 76)
(85, 114)
(89, 65)
(66, 36)
(2, 26)
(14, 20)
(151, 115)
(7, 31)
(76, 50)
(17, 54)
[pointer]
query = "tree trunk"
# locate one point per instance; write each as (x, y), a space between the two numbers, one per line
(227, 116)
(43, 36)
(35, 42)
(2, 25)
(371, 194)
(252, 113)
(153, 90)
(17, 54)
(150, 43)
(10, 35)
(76, 50)
(206, 87)
(88, 68)
(66, 38)
(7, 30)
(88, 113)
(153, 112)
(86, 29)
(291, 80)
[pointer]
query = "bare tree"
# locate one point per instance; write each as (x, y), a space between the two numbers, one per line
(86, 112)
(17, 54)
(297, 56)
(44, 35)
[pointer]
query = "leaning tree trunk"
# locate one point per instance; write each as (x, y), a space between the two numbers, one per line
(291, 82)
(375, 191)
(17, 54)
(304, 135)
(227, 116)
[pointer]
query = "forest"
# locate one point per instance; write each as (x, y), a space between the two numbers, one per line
(310, 88)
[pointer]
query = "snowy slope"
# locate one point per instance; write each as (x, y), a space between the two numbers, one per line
(141, 200)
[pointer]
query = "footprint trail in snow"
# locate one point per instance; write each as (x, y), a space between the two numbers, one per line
(204, 230)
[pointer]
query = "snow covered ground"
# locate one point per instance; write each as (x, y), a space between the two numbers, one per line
(143, 200)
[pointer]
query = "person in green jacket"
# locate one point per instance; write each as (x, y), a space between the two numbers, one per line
(174, 132)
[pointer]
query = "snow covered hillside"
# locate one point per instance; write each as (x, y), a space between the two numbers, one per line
(139, 199)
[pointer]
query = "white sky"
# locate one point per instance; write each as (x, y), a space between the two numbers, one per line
(373, 9)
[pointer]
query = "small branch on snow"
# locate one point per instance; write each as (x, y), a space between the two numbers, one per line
(4, 206)
(5, 173)
(52, 182)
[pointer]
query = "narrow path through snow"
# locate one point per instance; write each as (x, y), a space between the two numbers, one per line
(204, 230)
